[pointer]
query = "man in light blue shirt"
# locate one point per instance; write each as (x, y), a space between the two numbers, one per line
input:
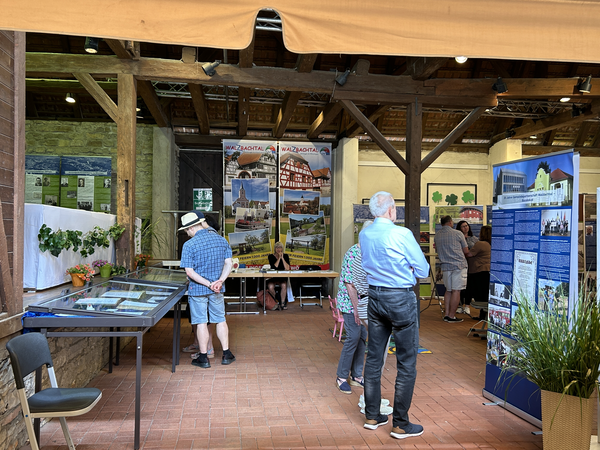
(393, 260)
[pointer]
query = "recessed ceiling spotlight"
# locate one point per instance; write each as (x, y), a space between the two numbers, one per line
(533, 137)
(565, 99)
(461, 59)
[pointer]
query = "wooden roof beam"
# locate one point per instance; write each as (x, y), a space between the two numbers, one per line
(582, 134)
(304, 64)
(376, 135)
(452, 136)
(423, 68)
(327, 116)
(373, 113)
(148, 94)
(200, 106)
(246, 59)
(551, 123)
(99, 95)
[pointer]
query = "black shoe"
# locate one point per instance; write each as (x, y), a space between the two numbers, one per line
(198, 362)
(228, 359)
(411, 430)
(372, 424)
(285, 304)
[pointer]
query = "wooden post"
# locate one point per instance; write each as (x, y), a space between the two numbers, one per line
(126, 145)
(412, 186)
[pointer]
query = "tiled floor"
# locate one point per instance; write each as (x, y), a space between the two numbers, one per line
(280, 393)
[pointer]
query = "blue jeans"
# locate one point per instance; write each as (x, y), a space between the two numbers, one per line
(352, 358)
(392, 311)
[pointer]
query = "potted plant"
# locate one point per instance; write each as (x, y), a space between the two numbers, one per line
(562, 356)
(118, 270)
(141, 260)
(106, 270)
(99, 263)
(80, 274)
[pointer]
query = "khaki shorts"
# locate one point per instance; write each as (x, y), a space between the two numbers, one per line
(455, 280)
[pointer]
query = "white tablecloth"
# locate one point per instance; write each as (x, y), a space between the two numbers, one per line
(43, 270)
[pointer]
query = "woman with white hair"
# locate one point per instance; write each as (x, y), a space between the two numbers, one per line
(279, 261)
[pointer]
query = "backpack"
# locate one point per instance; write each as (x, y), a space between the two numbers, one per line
(271, 302)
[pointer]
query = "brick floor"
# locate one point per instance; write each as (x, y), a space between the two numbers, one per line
(281, 393)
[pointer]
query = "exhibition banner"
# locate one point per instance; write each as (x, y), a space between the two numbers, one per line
(42, 179)
(305, 201)
(250, 198)
(85, 183)
(533, 262)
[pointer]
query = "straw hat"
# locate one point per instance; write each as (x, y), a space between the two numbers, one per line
(190, 219)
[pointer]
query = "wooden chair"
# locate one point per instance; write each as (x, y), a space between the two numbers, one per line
(28, 353)
(338, 318)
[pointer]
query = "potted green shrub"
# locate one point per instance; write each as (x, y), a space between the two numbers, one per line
(106, 270)
(562, 356)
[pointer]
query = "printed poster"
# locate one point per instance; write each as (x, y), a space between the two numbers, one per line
(534, 258)
(42, 174)
(305, 199)
(85, 183)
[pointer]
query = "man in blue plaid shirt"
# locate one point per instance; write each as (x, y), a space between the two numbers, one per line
(206, 258)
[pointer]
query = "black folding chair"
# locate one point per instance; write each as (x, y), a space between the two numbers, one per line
(28, 353)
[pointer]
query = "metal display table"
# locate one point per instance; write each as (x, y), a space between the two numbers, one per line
(128, 302)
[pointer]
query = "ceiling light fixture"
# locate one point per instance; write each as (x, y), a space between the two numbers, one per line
(209, 68)
(461, 59)
(585, 85)
(91, 44)
(342, 78)
(500, 86)
(565, 99)
(69, 98)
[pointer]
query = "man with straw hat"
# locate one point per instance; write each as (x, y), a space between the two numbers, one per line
(206, 258)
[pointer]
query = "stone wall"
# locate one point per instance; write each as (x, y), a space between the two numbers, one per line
(44, 137)
(76, 362)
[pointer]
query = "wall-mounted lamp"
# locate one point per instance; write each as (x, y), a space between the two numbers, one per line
(69, 98)
(91, 44)
(500, 86)
(342, 78)
(461, 59)
(209, 68)
(585, 86)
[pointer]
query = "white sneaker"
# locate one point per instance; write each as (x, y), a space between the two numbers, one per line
(385, 410)
(459, 310)
(361, 402)
(467, 310)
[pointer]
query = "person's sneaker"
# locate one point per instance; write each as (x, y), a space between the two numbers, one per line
(385, 410)
(467, 310)
(355, 382)
(452, 319)
(210, 354)
(227, 358)
(361, 402)
(343, 386)
(372, 424)
(411, 430)
(201, 363)
(459, 310)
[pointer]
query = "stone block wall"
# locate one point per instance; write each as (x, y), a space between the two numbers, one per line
(46, 137)
(76, 362)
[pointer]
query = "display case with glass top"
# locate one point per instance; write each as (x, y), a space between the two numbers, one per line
(124, 302)
(157, 275)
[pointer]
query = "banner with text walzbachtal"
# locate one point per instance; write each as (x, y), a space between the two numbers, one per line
(533, 262)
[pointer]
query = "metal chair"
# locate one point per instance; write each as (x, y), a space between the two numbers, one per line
(28, 353)
(311, 284)
(337, 317)
(483, 306)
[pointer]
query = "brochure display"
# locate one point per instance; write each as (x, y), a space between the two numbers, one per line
(533, 262)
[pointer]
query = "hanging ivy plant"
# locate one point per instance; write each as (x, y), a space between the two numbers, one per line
(57, 241)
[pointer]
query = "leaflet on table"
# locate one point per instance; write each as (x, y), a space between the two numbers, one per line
(123, 294)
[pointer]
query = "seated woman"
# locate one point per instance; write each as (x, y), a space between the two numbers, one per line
(478, 278)
(279, 261)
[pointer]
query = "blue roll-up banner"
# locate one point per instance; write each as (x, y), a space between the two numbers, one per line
(533, 263)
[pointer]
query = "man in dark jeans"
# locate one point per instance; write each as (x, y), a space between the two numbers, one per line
(392, 259)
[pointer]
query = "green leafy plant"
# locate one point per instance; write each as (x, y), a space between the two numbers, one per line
(56, 241)
(558, 353)
(96, 237)
(116, 231)
(118, 270)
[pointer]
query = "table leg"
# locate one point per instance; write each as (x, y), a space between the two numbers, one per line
(138, 389)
